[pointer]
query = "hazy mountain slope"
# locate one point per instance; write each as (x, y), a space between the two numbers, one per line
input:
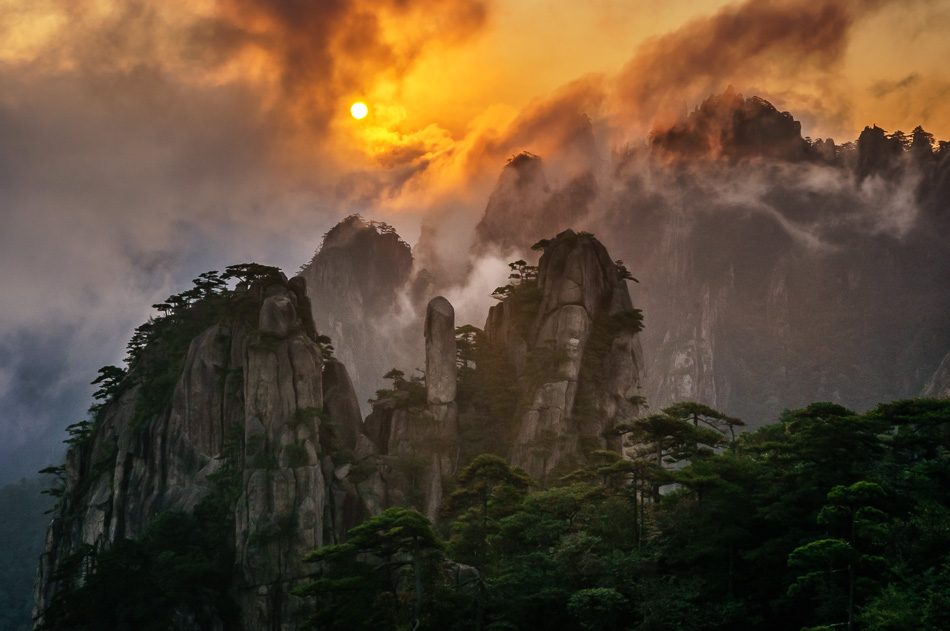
(775, 271)
(355, 281)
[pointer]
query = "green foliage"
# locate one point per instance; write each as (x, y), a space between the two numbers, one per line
(604, 330)
(326, 347)
(597, 607)
(487, 490)
(180, 565)
(825, 516)
(521, 295)
(112, 382)
(388, 575)
(622, 272)
(543, 363)
(297, 455)
(487, 393)
(78, 433)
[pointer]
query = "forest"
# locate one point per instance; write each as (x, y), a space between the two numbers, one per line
(826, 519)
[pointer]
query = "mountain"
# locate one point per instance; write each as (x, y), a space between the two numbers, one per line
(224, 418)
(775, 270)
(356, 279)
(523, 205)
(570, 333)
(730, 126)
(233, 444)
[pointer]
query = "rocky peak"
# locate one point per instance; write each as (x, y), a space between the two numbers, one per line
(523, 205)
(440, 352)
(414, 425)
(878, 152)
(355, 279)
(572, 337)
(255, 413)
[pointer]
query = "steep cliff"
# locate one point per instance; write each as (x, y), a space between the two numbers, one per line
(571, 336)
(235, 432)
(252, 417)
(939, 384)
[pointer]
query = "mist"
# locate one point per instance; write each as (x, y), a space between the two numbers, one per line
(144, 144)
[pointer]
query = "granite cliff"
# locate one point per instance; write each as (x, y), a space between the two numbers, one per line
(233, 399)
(570, 333)
(255, 397)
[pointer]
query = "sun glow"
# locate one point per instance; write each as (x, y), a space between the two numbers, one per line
(359, 110)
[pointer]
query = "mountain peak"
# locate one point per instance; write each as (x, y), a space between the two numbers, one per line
(355, 226)
(732, 126)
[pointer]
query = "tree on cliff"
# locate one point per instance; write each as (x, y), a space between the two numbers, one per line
(487, 490)
(386, 576)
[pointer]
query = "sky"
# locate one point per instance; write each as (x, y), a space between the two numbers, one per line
(145, 141)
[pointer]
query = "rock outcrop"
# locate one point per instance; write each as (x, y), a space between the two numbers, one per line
(730, 126)
(414, 426)
(254, 395)
(573, 342)
(259, 418)
(441, 383)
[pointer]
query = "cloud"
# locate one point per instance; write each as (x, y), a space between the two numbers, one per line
(322, 52)
(885, 88)
(147, 141)
(754, 44)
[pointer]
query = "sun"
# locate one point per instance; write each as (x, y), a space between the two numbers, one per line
(359, 110)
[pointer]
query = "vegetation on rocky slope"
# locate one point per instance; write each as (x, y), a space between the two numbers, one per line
(826, 519)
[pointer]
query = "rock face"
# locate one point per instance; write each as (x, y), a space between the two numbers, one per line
(356, 278)
(576, 354)
(279, 515)
(259, 401)
(441, 382)
(441, 370)
(256, 396)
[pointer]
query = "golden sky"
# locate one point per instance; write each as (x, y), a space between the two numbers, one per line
(531, 47)
(447, 81)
